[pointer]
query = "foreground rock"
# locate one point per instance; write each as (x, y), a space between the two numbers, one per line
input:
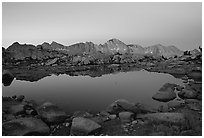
(175, 104)
(51, 114)
(182, 117)
(166, 93)
(124, 105)
(196, 75)
(25, 126)
(126, 116)
(143, 108)
(188, 93)
(83, 126)
(121, 105)
(166, 117)
(11, 106)
(16, 109)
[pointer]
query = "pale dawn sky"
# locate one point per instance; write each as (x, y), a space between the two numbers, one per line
(146, 24)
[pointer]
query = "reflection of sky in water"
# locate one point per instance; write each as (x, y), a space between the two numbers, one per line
(83, 92)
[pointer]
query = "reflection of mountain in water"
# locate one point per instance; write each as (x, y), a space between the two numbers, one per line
(36, 74)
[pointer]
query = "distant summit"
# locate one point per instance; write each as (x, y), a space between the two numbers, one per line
(114, 46)
(166, 51)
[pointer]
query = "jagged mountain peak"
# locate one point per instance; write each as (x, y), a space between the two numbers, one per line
(16, 43)
(114, 46)
(54, 42)
(114, 40)
(45, 43)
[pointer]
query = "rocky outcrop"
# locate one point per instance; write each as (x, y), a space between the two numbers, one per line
(56, 46)
(26, 52)
(25, 126)
(195, 52)
(45, 46)
(21, 52)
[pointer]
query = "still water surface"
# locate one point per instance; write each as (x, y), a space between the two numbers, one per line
(73, 93)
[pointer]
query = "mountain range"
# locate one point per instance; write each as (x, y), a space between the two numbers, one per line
(112, 46)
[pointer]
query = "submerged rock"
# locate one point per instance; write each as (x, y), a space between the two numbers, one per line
(166, 93)
(25, 126)
(7, 77)
(83, 126)
(52, 114)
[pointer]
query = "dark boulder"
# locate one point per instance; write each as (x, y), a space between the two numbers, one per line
(7, 77)
(196, 75)
(166, 93)
(83, 126)
(51, 114)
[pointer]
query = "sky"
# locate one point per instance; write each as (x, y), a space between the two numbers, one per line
(146, 24)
